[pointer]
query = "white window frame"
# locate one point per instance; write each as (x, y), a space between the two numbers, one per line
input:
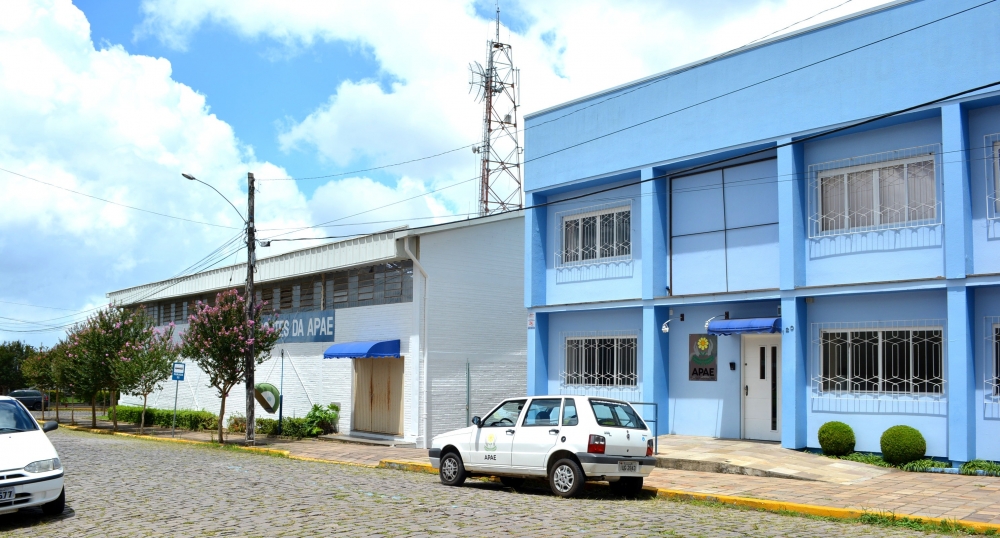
(577, 372)
(873, 163)
(573, 255)
(823, 379)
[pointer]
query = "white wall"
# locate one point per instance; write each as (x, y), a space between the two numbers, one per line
(475, 313)
(308, 377)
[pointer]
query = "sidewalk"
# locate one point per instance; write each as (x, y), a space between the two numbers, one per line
(969, 500)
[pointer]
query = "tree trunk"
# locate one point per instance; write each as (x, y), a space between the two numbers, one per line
(93, 411)
(222, 413)
(72, 414)
(57, 405)
(44, 392)
(142, 418)
(114, 409)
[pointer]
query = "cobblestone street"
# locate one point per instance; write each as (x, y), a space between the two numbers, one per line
(128, 487)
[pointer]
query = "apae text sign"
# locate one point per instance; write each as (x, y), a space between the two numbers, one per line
(316, 326)
(703, 355)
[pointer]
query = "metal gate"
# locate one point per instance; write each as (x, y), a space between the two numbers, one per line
(378, 396)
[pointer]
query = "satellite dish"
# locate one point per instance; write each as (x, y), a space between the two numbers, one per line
(477, 80)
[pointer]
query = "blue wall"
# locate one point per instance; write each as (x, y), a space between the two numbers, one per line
(870, 419)
(987, 415)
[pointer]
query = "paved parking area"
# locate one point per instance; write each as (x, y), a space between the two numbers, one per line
(129, 487)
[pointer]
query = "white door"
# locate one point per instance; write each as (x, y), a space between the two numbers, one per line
(762, 387)
(491, 444)
(537, 434)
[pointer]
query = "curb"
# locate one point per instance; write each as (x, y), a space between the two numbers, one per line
(745, 502)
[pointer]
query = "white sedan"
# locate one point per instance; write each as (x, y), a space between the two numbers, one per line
(30, 471)
(567, 439)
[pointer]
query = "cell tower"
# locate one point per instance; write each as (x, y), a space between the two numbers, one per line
(498, 87)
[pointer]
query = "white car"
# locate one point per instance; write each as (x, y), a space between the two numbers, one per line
(567, 439)
(30, 471)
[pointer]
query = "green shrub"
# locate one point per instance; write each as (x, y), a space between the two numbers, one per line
(236, 424)
(322, 420)
(186, 419)
(902, 444)
(924, 464)
(870, 459)
(836, 439)
(970, 467)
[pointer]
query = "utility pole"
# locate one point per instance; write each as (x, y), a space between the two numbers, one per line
(251, 261)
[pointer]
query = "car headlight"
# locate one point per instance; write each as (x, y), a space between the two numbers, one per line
(43, 466)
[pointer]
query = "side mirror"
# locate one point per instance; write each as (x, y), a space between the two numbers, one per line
(49, 426)
(478, 422)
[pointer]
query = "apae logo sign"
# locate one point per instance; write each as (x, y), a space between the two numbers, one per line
(702, 357)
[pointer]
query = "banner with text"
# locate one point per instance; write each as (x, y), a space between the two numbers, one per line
(305, 326)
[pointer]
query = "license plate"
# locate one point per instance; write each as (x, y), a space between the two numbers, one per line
(628, 467)
(6, 494)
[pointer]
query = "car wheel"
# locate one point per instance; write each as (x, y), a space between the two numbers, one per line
(566, 478)
(57, 506)
(452, 470)
(37, 406)
(512, 481)
(629, 486)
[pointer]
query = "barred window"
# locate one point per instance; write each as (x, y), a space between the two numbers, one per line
(601, 361)
(897, 361)
(596, 236)
(894, 189)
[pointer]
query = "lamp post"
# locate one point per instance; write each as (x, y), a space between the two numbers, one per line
(248, 367)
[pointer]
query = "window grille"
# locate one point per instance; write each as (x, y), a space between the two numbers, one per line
(591, 235)
(891, 190)
(991, 371)
(600, 361)
(875, 359)
(991, 148)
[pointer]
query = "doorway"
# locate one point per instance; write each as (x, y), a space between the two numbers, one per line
(378, 396)
(762, 387)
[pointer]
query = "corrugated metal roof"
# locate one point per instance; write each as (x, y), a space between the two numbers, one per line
(352, 252)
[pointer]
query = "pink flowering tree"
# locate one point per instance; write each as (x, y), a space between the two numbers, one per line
(217, 340)
(144, 365)
(99, 350)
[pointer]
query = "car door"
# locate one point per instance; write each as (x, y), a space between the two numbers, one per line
(491, 444)
(536, 435)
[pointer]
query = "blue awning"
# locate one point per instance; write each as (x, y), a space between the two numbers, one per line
(378, 349)
(727, 327)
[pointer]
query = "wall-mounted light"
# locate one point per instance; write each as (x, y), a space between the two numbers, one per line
(666, 327)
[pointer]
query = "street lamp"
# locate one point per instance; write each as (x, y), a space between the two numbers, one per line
(248, 366)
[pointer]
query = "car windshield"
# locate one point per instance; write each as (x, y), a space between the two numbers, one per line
(505, 415)
(13, 418)
(616, 415)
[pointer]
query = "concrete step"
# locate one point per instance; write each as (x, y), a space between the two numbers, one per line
(370, 441)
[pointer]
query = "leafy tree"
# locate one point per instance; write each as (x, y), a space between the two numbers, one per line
(217, 340)
(12, 354)
(37, 370)
(96, 349)
(147, 364)
(59, 364)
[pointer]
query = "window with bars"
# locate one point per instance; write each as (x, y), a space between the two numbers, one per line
(895, 362)
(871, 195)
(601, 361)
(596, 236)
(994, 388)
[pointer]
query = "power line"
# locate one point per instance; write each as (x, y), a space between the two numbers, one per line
(618, 95)
(39, 306)
(115, 203)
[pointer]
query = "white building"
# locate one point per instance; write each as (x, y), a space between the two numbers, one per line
(450, 296)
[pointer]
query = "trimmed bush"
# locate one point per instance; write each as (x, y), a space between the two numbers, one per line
(836, 439)
(187, 420)
(902, 444)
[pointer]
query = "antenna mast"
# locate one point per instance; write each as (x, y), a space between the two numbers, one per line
(498, 86)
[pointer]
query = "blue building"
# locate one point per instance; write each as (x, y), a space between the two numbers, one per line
(725, 240)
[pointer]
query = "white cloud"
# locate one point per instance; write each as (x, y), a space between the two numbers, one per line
(117, 126)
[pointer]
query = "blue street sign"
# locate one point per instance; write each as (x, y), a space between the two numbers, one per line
(178, 371)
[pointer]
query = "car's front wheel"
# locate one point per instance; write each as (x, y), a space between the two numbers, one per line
(57, 506)
(566, 478)
(452, 470)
